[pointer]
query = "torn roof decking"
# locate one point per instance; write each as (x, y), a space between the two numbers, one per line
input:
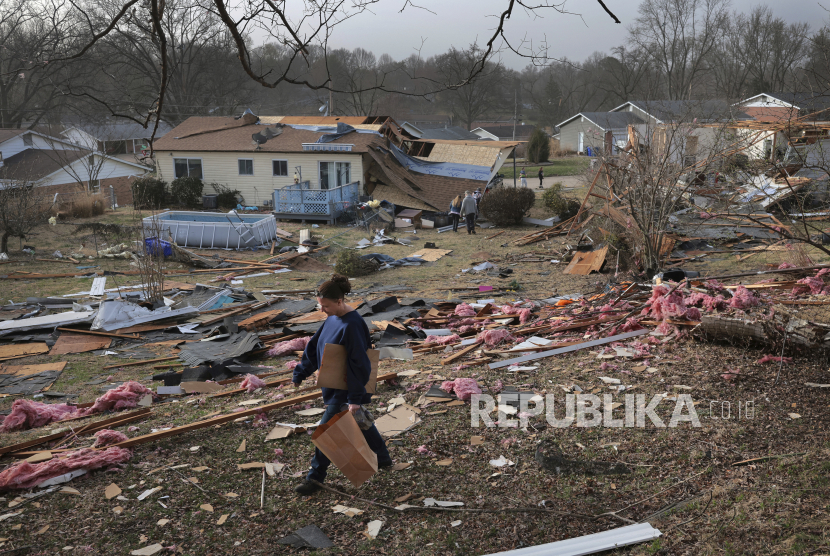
(435, 191)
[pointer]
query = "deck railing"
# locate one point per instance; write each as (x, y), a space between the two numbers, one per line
(299, 199)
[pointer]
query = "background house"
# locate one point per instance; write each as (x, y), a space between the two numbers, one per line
(604, 131)
(504, 132)
(125, 140)
(59, 166)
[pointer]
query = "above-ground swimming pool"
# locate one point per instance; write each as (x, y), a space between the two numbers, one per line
(214, 230)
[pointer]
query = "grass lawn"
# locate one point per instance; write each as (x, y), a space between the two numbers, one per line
(566, 166)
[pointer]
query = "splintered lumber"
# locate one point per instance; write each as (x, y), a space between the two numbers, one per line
(107, 334)
(87, 429)
(145, 362)
(228, 418)
(495, 235)
(462, 353)
(577, 347)
(585, 263)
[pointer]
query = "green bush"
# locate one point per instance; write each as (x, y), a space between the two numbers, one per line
(505, 206)
(149, 192)
(538, 146)
(187, 191)
(558, 205)
(225, 196)
(349, 263)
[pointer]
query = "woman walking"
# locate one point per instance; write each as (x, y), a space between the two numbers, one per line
(455, 212)
(344, 326)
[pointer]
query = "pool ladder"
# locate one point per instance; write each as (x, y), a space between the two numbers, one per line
(242, 229)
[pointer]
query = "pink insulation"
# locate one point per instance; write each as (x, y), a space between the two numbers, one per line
(714, 285)
(464, 322)
(664, 306)
(464, 387)
(742, 298)
(693, 313)
(464, 310)
(106, 437)
(252, 382)
(708, 302)
(27, 414)
(785, 266)
(815, 286)
(524, 315)
(465, 329)
(509, 310)
(282, 348)
(125, 396)
(495, 337)
(822, 272)
(774, 359)
(443, 340)
(291, 364)
(27, 475)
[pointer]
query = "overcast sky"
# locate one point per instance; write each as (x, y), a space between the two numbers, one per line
(460, 22)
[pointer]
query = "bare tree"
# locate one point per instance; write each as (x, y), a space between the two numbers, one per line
(678, 36)
(477, 96)
(22, 209)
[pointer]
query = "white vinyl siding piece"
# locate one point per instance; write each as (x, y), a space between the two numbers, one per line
(590, 544)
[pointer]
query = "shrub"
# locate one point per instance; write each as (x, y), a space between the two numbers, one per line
(504, 206)
(558, 205)
(226, 197)
(187, 191)
(86, 206)
(349, 263)
(149, 192)
(538, 146)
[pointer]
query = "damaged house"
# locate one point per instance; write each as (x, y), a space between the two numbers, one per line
(315, 168)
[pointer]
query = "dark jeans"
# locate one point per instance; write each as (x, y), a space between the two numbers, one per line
(471, 223)
(320, 463)
(454, 219)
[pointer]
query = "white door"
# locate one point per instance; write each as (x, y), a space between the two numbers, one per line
(580, 142)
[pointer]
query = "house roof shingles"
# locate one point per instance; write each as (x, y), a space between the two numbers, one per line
(613, 120)
(34, 164)
(224, 134)
(6, 134)
(680, 110)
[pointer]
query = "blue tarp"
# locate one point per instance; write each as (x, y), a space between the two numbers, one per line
(446, 169)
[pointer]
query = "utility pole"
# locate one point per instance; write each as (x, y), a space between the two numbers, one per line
(330, 111)
(515, 116)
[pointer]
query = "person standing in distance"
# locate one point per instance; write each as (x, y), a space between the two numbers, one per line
(541, 177)
(469, 210)
(344, 326)
(523, 175)
(455, 212)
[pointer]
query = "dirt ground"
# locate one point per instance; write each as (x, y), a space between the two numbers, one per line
(698, 485)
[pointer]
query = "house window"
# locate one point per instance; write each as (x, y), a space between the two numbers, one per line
(27, 139)
(280, 167)
(335, 174)
(188, 167)
(95, 186)
(246, 167)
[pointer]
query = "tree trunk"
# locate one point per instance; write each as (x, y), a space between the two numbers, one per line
(4, 243)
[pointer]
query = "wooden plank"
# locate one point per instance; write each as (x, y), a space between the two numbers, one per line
(88, 429)
(95, 333)
(584, 345)
(462, 353)
(145, 362)
(584, 263)
(78, 343)
(99, 283)
(16, 351)
(431, 255)
(260, 319)
(228, 418)
(26, 370)
(495, 235)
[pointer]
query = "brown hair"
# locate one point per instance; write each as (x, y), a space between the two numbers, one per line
(335, 288)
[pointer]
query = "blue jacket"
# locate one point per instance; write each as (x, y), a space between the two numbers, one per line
(350, 331)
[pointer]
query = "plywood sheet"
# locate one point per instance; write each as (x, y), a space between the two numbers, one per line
(431, 255)
(585, 263)
(26, 370)
(14, 351)
(260, 319)
(79, 343)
